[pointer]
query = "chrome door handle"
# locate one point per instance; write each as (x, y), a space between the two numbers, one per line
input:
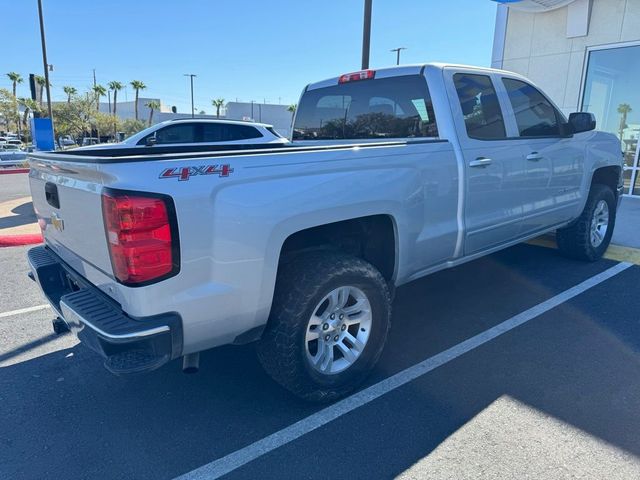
(534, 157)
(480, 162)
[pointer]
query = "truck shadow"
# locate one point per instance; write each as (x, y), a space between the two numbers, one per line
(64, 416)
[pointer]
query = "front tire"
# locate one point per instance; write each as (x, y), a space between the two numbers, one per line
(328, 325)
(589, 236)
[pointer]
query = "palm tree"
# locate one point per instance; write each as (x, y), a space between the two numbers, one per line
(70, 91)
(623, 109)
(15, 78)
(137, 86)
(292, 108)
(29, 106)
(152, 105)
(218, 103)
(99, 91)
(115, 86)
(40, 80)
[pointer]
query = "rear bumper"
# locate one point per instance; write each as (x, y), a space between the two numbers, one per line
(128, 345)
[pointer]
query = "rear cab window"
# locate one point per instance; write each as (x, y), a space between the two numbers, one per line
(393, 107)
(481, 110)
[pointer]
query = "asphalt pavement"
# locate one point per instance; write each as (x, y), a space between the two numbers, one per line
(556, 397)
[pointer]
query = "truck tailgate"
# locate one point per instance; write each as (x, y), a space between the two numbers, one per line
(67, 201)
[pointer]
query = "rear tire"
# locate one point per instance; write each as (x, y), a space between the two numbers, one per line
(589, 236)
(328, 325)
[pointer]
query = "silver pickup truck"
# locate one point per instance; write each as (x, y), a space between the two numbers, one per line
(158, 253)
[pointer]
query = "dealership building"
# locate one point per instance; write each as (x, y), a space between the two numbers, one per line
(585, 54)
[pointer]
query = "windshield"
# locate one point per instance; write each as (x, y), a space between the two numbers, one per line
(395, 107)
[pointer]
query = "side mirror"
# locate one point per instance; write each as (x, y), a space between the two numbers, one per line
(582, 122)
(151, 141)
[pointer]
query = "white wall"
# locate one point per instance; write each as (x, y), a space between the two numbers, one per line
(538, 45)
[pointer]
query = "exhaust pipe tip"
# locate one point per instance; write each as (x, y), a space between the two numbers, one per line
(191, 363)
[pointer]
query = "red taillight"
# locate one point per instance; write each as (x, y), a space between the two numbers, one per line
(139, 235)
(355, 76)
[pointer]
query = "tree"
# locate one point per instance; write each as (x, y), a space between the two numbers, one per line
(137, 86)
(623, 109)
(99, 91)
(74, 118)
(8, 107)
(29, 106)
(15, 78)
(292, 108)
(152, 105)
(218, 103)
(41, 82)
(131, 126)
(69, 91)
(115, 86)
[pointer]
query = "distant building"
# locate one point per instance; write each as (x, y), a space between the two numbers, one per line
(585, 55)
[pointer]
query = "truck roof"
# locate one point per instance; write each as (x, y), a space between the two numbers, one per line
(413, 69)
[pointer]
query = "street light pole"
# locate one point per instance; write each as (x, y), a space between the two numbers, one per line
(398, 50)
(191, 75)
(366, 34)
(44, 61)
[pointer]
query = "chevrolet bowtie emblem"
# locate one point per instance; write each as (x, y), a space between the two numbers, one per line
(57, 222)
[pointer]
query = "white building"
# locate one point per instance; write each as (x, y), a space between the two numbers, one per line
(585, 54)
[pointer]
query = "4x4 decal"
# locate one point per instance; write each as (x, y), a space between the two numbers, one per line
(185, 173)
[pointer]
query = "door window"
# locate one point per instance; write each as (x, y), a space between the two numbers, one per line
(535, 116)
(183, 133)
(220, 132)
(480, 107)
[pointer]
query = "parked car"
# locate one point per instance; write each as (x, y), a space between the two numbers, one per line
(17, 143)
(87, 141)
(11, 155)
(200, 133)
(400, 173)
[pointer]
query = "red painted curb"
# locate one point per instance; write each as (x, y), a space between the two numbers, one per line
(17, 240)
(15, 170)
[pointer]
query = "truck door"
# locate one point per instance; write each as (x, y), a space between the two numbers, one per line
(494, 166)
(554, 164)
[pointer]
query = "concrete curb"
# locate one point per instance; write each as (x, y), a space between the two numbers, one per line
(15, 170)
(18, 240)
(614, 252)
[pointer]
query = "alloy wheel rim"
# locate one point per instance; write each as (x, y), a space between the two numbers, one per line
(338, 330)
(599, 223)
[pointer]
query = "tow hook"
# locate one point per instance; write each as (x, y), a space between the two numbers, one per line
(59, 326)
(191, 363)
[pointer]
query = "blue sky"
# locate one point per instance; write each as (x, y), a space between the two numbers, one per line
(245, 49)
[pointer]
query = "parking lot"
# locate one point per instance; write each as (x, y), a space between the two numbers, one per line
(520, 365)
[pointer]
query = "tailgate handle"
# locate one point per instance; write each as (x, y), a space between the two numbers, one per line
(51, 193)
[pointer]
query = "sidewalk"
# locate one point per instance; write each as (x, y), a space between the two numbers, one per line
(627, 231)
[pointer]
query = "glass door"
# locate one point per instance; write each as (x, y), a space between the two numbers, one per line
(611, 92)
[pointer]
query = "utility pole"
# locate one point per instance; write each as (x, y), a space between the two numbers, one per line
(94, 77)
(191, 75)
(44, 61)
(398, 50)
(366, 34)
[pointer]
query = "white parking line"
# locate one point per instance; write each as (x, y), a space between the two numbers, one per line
(241, 457)
(23, 310)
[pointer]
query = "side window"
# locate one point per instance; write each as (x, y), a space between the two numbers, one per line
(535, 116)
(183, 133)
(220, 132)
(480, 107)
